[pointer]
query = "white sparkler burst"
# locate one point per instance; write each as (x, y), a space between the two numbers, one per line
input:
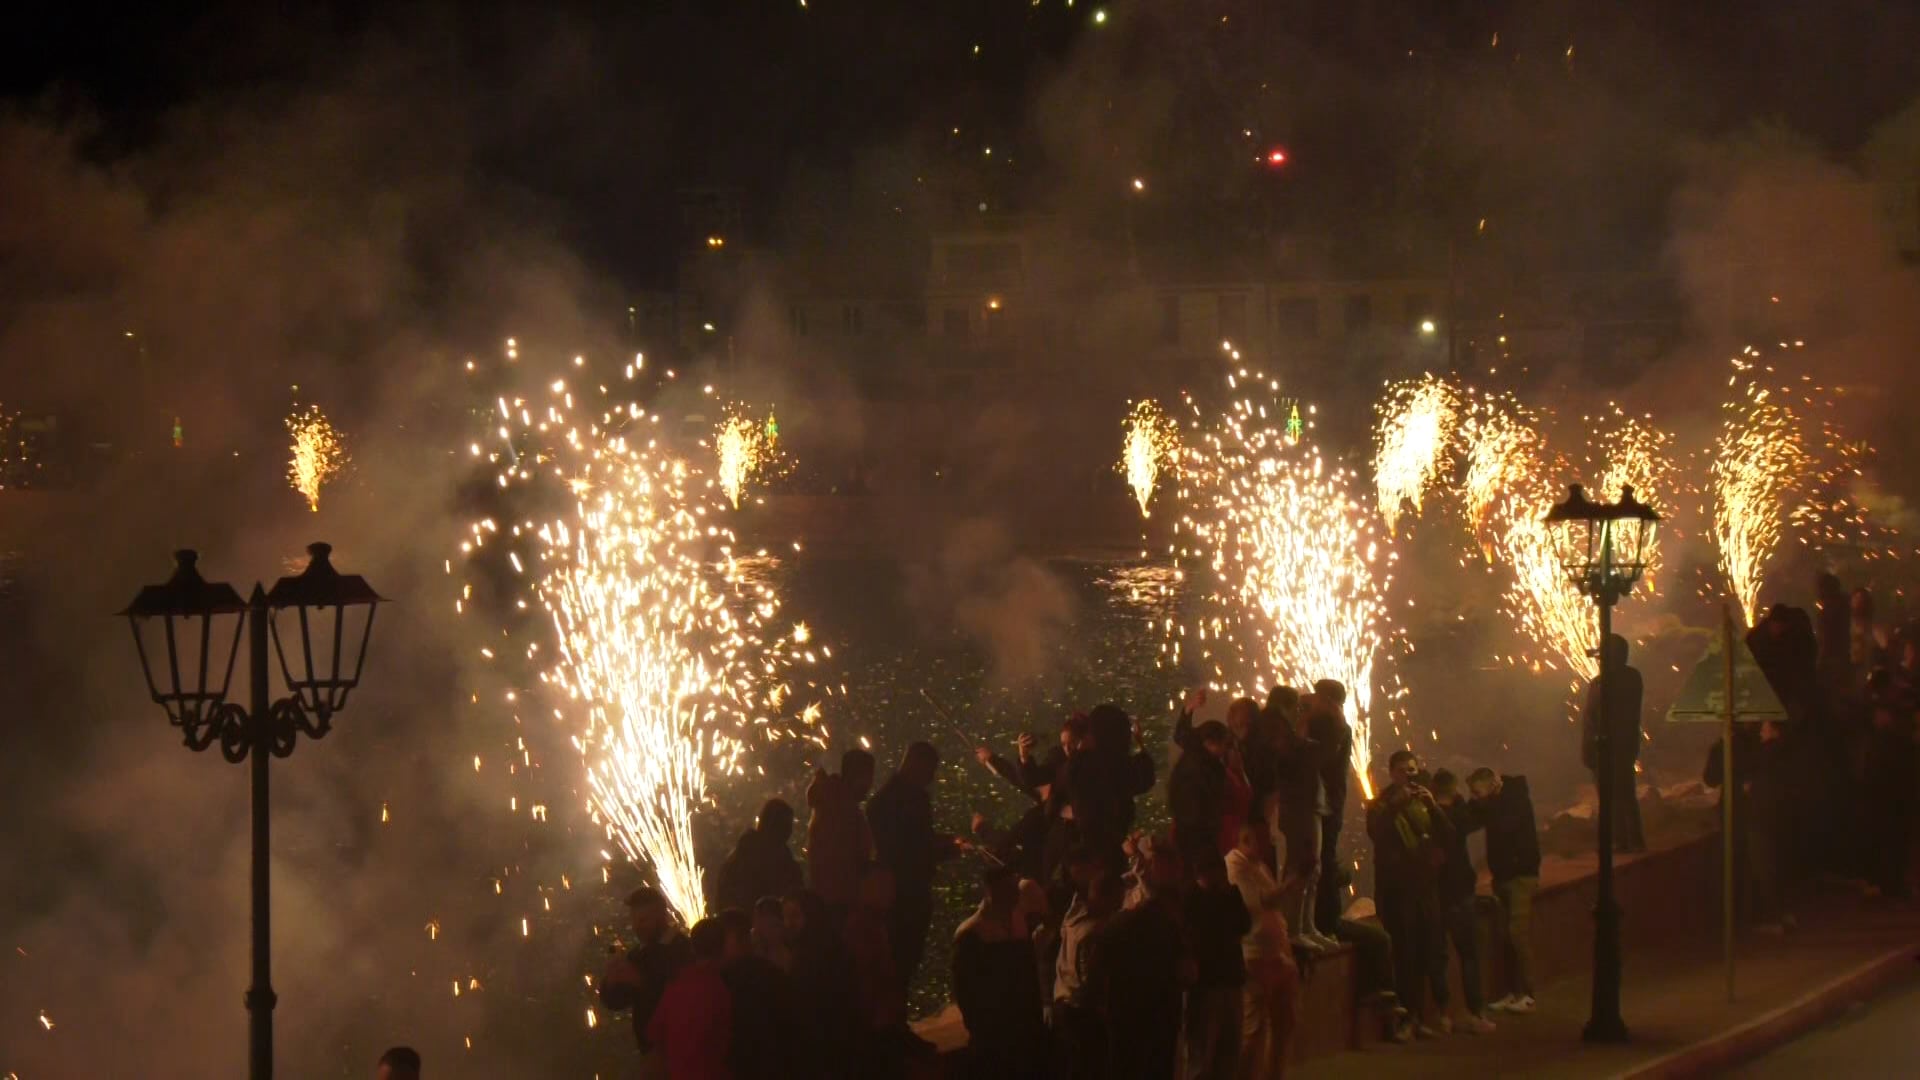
(1414, 427)
(666, 660)
(1295, 574)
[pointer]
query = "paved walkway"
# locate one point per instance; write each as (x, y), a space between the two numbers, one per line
(1671, 1001)
(1872, 1039)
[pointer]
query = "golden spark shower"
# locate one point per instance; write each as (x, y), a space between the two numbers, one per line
(1151, 446)
(1413, 430)
(317, 453)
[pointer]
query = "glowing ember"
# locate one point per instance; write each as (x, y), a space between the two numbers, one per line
(1152, 444)
(1758, 460)
(317, 453)
(1297, 578)
(1411, 435)
(1504, 456)
(742, 450)
(665, 659)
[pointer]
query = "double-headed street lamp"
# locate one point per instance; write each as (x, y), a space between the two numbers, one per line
(188, 634)
(1604, 547)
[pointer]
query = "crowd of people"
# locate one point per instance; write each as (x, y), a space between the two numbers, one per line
(1850, 688)
(1096, 950)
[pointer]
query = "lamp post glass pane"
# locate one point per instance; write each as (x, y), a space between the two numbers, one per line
(188, 660)
(321, 649)
(1578, 542)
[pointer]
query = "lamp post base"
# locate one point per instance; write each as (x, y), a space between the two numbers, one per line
(1608, 1029)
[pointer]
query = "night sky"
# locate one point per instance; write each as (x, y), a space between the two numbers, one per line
(594, 116)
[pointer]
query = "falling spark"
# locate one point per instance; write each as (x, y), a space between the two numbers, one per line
(1758, 460)
(665, 658)
(1415, 427)
(317, 453)
(1297, 578)
(1152, 444)
(45, 1020)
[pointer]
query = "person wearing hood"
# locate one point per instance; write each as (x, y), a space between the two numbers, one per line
(1618, 719)
(995, 984)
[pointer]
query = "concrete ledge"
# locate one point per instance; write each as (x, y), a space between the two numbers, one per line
(1749, 1040)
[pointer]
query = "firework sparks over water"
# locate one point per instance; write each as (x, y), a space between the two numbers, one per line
(1296, 575)
(317, 453)
(665, 660)
(1152, 445)
(1413, 431)
(1759, 458)
(741, 449)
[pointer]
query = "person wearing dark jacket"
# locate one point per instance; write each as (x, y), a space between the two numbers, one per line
(637, 980)
(1410, 837)
(900, 815)
(994, 985)
(1139, 961)
(1102, 780)
(1458, 911)
(1217, 920)
(1303, 811)
(1887, 786)
(761, 864)
(1197, 794)
(1327, 727)
(1764, 767)
(1619, 722)
(766, 1041)
(1504, 808)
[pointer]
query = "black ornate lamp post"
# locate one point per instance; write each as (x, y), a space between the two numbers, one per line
(1604, 548)
(188, 634)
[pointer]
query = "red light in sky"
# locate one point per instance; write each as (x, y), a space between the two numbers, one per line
(1276, 157)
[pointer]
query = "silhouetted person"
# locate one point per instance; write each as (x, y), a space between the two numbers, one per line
(1197, 792)
(768, 928)
(399, 1063)
(1461, 918)
(1327, 727)
(1836, 660)
(1139, 960)
(766, 1042)
(900, 815)
(1887, 782)
(1621, 719)
(1410, 835)
(1103, 779)
(996, 987)
(1079, 1024)
(1763, 767)
(823, 979)
(1303, 811)
(761, 863)
(693, 1024)
(1504, 808)
(637, 980)
(1217, 921)
(839, 845)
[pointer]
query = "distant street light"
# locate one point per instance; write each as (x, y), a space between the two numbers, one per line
(1427, 327)
(1603, 548)
(187, 652)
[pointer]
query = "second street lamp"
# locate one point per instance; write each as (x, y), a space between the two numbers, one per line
(1604, 547)
(187, 632)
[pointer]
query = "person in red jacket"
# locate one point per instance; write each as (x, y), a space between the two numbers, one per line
(693, 1024)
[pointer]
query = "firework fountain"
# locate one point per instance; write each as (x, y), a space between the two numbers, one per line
(317, 453)
(1413, 430)
(1296, 578)
(665, 662)
(1759, 459)
(1152, 444)
(741, 449)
